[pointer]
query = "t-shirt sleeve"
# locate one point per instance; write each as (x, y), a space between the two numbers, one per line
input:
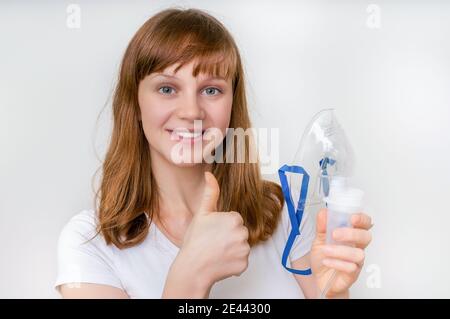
(83, 257)
(303, 242)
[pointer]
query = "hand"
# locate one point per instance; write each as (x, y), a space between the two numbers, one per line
(346, 260)
(215, 244)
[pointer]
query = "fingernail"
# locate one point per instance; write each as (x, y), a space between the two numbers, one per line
(327, 250)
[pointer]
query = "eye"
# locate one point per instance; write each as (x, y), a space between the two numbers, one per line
(166, 90)
(212, 91)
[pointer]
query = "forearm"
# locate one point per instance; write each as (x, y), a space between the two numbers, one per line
(182, 283)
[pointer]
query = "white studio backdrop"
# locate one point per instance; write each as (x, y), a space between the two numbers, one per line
(384, 66)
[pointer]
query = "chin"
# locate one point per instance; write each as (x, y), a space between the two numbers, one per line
(184, 162)
(188, 158)
(186, 165)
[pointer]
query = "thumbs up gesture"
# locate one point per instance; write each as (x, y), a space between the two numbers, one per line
(215, 243)
(210, 195)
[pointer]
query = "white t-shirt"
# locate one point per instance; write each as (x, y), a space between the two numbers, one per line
(141, 270)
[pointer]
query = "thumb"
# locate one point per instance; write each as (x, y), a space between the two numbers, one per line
(321, 223)
(210, 195)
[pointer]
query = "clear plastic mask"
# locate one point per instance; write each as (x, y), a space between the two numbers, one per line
(324, 152)
(323, 156)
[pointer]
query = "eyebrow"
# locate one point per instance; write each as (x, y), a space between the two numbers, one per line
(174, 77)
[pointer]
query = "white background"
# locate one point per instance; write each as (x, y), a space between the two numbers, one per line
(389, 85)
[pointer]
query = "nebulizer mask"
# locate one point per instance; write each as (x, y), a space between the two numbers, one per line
(318, 177)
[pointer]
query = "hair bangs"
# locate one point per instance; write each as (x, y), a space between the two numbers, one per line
(211, 49)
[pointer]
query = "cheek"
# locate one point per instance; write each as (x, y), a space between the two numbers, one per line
(220, 114)
(153, 116)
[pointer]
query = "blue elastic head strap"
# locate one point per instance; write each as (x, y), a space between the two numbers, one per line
(295, 215)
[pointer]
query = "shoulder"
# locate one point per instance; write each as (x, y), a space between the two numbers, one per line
(307, 220)
(81, 226)
(82, 253)
(80, 233)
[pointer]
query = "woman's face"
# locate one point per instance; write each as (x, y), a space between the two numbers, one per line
(171, 103)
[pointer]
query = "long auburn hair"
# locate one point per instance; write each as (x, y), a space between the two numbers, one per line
(128, 196)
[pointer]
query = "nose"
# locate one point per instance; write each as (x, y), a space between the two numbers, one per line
(190, 109)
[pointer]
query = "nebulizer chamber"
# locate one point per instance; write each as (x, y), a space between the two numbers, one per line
(324, 161)
(342, 201)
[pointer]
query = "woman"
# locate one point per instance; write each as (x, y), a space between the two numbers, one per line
(191, 228)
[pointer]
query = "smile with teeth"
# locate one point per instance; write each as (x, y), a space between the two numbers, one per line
(189, 134)
(186, 135)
